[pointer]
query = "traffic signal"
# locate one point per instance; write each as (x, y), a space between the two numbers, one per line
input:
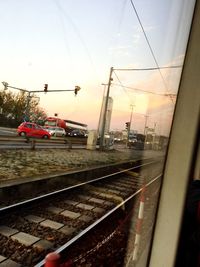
(45, 87)
(77, 88)
(127, 125)
(5, 85)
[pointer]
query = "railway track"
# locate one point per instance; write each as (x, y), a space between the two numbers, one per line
(55, 221)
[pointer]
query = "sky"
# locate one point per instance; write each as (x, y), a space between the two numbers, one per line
(65, 43)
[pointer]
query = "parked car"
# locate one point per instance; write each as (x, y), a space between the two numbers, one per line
(31, 129)
(78, 133)
(56, 131)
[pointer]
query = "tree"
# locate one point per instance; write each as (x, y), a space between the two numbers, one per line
(13, 108)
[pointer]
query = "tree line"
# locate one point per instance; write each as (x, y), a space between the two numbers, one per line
(18, 107)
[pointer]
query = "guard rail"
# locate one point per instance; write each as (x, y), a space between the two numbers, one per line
(68, 141)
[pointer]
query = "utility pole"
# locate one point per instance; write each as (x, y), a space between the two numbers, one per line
(145, 125)
(154, 135)
(145, 130)
(98, 130)
(129, 125)
(105, 111)
(132, 106)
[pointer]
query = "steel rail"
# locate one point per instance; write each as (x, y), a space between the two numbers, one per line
(90, 227)
(54, 193)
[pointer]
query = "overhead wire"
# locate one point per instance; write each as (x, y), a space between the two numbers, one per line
(156, 68)
(137, 89)
(76, 30)
(65, 36)
(122, 9)
(143, 91)
(123, 87)
(149, 45)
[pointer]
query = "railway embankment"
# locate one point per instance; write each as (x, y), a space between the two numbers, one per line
(20, 164)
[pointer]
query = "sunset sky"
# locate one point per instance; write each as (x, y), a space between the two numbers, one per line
(75, 42)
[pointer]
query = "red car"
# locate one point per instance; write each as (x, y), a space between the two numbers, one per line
(31, 129)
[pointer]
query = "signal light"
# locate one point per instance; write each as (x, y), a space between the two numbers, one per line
(5, 85)
(77, 88)
(45, 87)
(127, 125)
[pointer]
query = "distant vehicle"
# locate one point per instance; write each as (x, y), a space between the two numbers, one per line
(138, 144)
(78, 133)
(132, 142)
(67, 125)
(31, 129)
(108, 140)
(56, 131)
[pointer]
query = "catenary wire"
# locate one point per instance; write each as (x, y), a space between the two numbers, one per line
(149, 45)
(137, 89)
(147, 69)
(143, 91)
(122, 86)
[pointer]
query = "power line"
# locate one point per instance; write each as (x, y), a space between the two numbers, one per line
(141, 90)
(136, 89)
(147, 69)
(131, 1)
(123, 87)
(119, 25)
(79, 35)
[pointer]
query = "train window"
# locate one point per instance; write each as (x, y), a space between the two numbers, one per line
(117, 196)
(176, 188)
